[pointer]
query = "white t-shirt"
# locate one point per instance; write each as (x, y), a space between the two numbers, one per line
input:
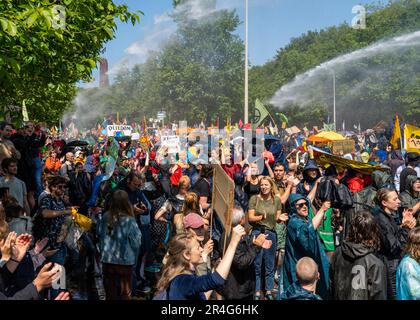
(17, 188)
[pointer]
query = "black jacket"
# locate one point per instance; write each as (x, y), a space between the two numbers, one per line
(393, 237)
(35, 143)
(311, 164)
(393, 240)
(240, 283)
(296, 292)
(356, 273)
(27, 293)
(80, 188)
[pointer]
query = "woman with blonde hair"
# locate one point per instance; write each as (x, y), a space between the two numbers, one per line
(265, 209)
(179, 281)
(408, 272)
(172, 209)
(191, 205)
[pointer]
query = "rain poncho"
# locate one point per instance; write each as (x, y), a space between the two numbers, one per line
(408, 279)
(303, 241)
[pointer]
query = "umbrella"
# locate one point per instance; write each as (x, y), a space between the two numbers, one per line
(326, 136)
(77, 143)
(271, 137)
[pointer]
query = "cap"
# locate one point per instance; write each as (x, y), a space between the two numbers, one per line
(193, 220)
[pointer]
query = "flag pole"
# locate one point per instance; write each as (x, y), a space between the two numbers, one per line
(246, 63)
(401, 133)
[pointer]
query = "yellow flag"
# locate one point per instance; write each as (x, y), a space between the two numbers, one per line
(396, 135)
(412, 138)
(228, 127)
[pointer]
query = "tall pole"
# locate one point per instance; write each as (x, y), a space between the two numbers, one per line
(246, 63)
(334, 115)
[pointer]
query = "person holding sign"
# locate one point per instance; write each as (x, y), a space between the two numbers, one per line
(265, 209)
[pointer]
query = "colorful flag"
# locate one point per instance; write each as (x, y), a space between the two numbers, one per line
(284, 118)
(261, 113)
(396, 135)
(411, 138)
(112, 158)
(329, 127)
(228, 127)
(24, 111)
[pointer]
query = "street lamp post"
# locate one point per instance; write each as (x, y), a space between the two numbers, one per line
(334, 114)
(246, 64)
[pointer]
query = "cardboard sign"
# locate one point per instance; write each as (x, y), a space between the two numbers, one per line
(343, 147)
(222, 199)
(292, 130)
(116, 130)
(380, 126)
(172, 143)
(135, 136)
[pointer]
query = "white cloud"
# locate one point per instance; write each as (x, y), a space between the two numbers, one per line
(163, 27)
(162, 18)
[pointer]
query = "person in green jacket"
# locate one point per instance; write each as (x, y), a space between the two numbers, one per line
(325, 229)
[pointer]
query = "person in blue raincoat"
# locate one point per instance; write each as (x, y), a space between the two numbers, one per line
(408, 272)
(302, 240)
(311, 174)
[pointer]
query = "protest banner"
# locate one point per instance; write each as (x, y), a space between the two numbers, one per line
(380, 126)
(172, 143)
(412, 138)
(135, 136)
(341, 147)
(115, 130)
(292, 130)
(324, 158)
(222, 199)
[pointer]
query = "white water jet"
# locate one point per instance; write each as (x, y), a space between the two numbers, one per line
(298, 91)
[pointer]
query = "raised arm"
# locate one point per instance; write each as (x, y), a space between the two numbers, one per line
(317, 220)
(224, 266)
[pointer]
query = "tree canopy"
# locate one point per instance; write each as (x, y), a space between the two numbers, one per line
(197, 76)
(394, 88)
(47, 46)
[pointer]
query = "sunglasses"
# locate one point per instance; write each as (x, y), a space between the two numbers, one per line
(301, 205)
(198, 231)
(60, 186)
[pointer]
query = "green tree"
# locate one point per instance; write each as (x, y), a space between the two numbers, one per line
(197, 75)
(46, 49)
(382, 94)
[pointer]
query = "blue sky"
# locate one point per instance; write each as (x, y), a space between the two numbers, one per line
(272, 24)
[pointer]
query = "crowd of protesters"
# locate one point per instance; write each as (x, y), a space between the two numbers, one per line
(69, 228)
